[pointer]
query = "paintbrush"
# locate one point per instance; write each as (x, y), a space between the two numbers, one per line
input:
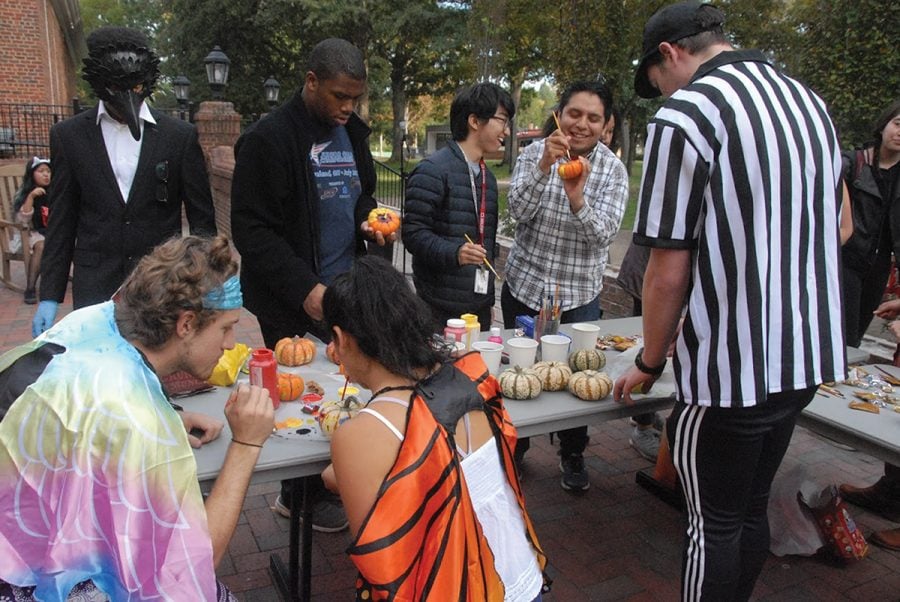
(484, 259)
(559, 127)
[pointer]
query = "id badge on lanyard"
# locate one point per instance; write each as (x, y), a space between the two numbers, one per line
(482, 278)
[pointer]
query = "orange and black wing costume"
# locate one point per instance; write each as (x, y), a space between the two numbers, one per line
(421, 540)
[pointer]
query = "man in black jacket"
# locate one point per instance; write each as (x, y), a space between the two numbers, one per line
(303, 187)
(452, 195)
(121, 174)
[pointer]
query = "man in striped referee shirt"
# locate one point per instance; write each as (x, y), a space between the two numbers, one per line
(738, 203)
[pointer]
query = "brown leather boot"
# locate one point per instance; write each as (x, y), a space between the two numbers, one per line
(882, 498)
(889, 539)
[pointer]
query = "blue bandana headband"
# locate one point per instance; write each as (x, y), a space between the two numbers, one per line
(225, 297)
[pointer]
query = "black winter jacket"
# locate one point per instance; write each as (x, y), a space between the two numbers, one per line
(870, 211)
(275, 209)
(439, 212)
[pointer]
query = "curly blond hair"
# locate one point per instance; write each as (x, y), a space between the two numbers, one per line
(173, 278)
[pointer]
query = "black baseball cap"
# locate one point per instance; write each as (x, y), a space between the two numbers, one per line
(670, 24)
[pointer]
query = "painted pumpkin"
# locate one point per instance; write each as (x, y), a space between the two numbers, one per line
(570, 170)
(290, 386)
(554, 375)
(333, 414)
(590, 385)
(295, 351)
(520, 383)
(384, 220)
(587, 359)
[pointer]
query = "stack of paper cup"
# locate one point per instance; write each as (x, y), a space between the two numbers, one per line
(521, 351)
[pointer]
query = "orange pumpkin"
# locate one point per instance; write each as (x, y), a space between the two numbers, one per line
(384, 220)
(295, 351)
(290, 386)
(570, 169)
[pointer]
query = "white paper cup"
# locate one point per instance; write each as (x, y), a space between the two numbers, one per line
(584, 336)
(490, 353)
(555, 348)
(521, 351)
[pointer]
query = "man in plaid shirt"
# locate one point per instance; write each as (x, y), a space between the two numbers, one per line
(563, 231)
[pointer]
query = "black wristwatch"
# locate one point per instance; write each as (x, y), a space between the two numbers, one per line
(651, 370)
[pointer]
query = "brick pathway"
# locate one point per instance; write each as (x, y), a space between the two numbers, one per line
(616, 542)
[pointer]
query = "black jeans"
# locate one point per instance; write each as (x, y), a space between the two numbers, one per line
(863, 292)
(726, 459)
(571, 441)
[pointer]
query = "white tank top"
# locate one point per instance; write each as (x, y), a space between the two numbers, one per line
(497, 512)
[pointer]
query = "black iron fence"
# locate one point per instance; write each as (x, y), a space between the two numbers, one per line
(391, 192)
(25, 128)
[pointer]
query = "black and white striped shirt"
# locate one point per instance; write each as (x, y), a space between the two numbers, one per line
(743, 166)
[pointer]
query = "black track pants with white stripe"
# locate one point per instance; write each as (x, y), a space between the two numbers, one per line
(726, 459)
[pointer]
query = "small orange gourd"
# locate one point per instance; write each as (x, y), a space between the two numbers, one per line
(384, 220)
(294, 351)
(290, 386)
(570, 169)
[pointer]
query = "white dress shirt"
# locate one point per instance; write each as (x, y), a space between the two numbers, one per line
(121, 147)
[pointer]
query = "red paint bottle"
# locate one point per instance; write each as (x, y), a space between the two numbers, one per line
(264, 373)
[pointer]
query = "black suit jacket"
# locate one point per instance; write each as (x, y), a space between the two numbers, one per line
(91, 225)
(275, 211)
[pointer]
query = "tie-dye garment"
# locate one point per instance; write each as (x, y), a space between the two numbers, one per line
(97, 478)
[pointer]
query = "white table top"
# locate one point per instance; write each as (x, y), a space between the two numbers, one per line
(875, 434)
(283, 458)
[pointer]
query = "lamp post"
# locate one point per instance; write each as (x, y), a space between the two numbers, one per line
(217, 64)
(271, 87)
(182, 87)
(403, 125)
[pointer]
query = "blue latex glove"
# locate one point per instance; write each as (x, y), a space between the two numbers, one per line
(43, 317)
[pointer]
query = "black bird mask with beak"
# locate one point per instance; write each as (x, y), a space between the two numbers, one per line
(122, 70)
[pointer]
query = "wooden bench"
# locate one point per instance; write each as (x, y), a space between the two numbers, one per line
(10, 179)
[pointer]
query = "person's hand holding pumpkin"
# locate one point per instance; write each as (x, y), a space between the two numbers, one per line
(574, 187)
(470, 254)
(382, 226)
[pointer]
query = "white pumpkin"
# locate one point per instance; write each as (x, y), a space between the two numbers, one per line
(587, 359)
(520, 383)
(590, 385)
(554, 375)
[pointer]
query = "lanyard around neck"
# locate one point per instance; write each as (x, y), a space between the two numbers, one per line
(480, 213)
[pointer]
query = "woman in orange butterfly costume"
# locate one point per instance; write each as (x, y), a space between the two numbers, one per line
(425, 471)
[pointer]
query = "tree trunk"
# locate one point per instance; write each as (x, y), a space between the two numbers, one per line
(399, 103)
(511, 153)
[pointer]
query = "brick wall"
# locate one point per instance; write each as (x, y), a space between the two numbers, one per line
(218, 124)
(35, 61)
(221, 168)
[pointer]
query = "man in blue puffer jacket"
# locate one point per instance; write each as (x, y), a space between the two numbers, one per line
(451, 195)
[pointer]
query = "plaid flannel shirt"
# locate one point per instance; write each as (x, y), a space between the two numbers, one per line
(553, 246)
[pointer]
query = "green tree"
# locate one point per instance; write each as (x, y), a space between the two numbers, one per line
(846, 50)
(509, 41)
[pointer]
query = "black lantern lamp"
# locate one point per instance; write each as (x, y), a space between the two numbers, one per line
(182, 86)
(217, 64)
(272, 87)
